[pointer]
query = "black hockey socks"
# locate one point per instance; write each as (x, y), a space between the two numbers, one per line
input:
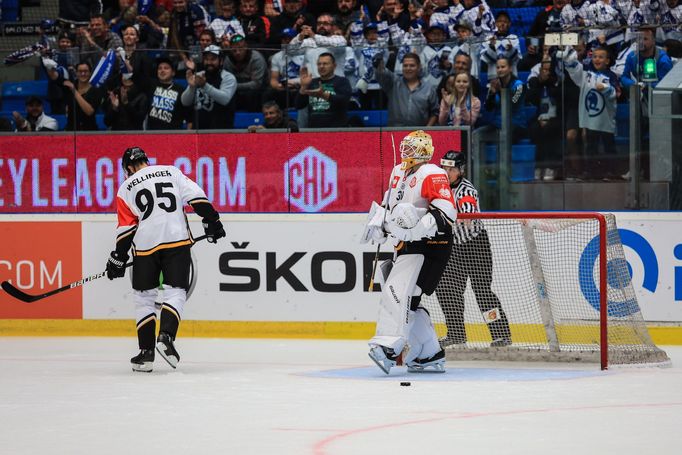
(146, 332)
(170, 320)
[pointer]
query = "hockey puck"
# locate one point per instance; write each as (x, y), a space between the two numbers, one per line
(405, 384)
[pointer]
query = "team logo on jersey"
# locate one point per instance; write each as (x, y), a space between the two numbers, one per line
(594, 103)
(444, 193)
(311, 180)
(413, 182)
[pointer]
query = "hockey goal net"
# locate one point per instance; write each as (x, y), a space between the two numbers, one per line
(540, 286)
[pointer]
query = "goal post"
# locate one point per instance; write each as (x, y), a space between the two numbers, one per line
(552, 286)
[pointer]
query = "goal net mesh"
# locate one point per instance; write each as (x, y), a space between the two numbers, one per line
(529, 289)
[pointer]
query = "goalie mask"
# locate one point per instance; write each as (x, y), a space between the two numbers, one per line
(133, 156)
(415, 148)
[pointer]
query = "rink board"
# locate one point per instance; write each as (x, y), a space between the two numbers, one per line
(297, 276)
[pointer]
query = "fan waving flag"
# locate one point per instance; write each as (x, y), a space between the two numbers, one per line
(103, 69)
(23, 54)
(143, 7)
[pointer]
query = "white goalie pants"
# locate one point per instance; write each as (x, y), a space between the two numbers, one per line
(397, 324)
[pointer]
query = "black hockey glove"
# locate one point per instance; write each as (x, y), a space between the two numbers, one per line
(116, 265)
(213, 230)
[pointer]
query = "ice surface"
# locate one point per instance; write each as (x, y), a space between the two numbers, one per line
(228, 396)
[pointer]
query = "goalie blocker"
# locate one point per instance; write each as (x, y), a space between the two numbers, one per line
(420, 228)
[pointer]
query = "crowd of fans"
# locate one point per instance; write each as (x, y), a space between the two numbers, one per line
(194, 64)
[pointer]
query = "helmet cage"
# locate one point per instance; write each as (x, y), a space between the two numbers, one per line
(416, 148)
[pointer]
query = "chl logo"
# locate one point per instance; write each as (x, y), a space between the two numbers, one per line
(310, 180)
(619, 271)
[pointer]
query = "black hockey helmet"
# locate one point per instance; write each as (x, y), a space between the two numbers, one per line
(132, 156)
(454, 159)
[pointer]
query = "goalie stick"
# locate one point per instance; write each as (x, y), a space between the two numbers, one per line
(388, 198)
(28, 298)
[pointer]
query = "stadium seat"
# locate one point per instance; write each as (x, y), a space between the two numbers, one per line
(523, 160)
(246, 119)
(623, 119)
(61, 121)
(100, 122)
(10, 11)
(371, 118)
(14, 94)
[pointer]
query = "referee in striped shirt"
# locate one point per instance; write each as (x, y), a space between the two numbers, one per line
(471, 259)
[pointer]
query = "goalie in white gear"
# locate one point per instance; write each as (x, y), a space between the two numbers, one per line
(419, 221)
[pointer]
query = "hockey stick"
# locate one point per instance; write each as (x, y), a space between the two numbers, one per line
(28, 298)
(388, 198)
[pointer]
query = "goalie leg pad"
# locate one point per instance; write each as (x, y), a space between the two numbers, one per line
(394, 321)
(422, 339)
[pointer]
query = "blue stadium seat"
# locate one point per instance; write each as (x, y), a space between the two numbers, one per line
(523, 161)
(100, 122)
(371, 118)
(24, 89)
(14, 94)
(623, 119)
(246, 119)
(10, 11)
(61, 121)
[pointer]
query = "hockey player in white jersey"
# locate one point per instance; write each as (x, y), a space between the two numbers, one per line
(152, 221)
(417, 215)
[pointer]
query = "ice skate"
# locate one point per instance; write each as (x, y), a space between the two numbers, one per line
(452, 341)
(433, 364)
(164, 344)
(500, 343)
(384, 357)
(144, 361)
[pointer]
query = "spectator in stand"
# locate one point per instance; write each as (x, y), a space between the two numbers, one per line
(166, 111)
(320, 41)
(188, 20)
(632, 74)
(462, 64)
(66, 56)
(411, 101)
(137, 62)
(599, 89)
(227, 22)
(82, 100)
(458, 106)
(477, 15)
(97, 40)
(36, 120)
(293, 17)
(547, 20)
(544, 129)
(250, 69)
(211, 92)
(347, 12)
(5, 125)
(125, 107)
(500, 44)
(78, 12)
(368, 43)
(465, 43)
(671, 21)
(435, 55)
(284, 73)
(154, 28)
(207, 38)
(493, 103)
(274, 118)
(647, 50)
(326, 97)
(253, 24)
(394, 12)
(120, 15)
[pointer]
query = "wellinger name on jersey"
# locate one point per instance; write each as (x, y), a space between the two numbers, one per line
(151, 175)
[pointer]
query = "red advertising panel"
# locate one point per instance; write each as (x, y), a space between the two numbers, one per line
(278, 172)
(37, 258)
